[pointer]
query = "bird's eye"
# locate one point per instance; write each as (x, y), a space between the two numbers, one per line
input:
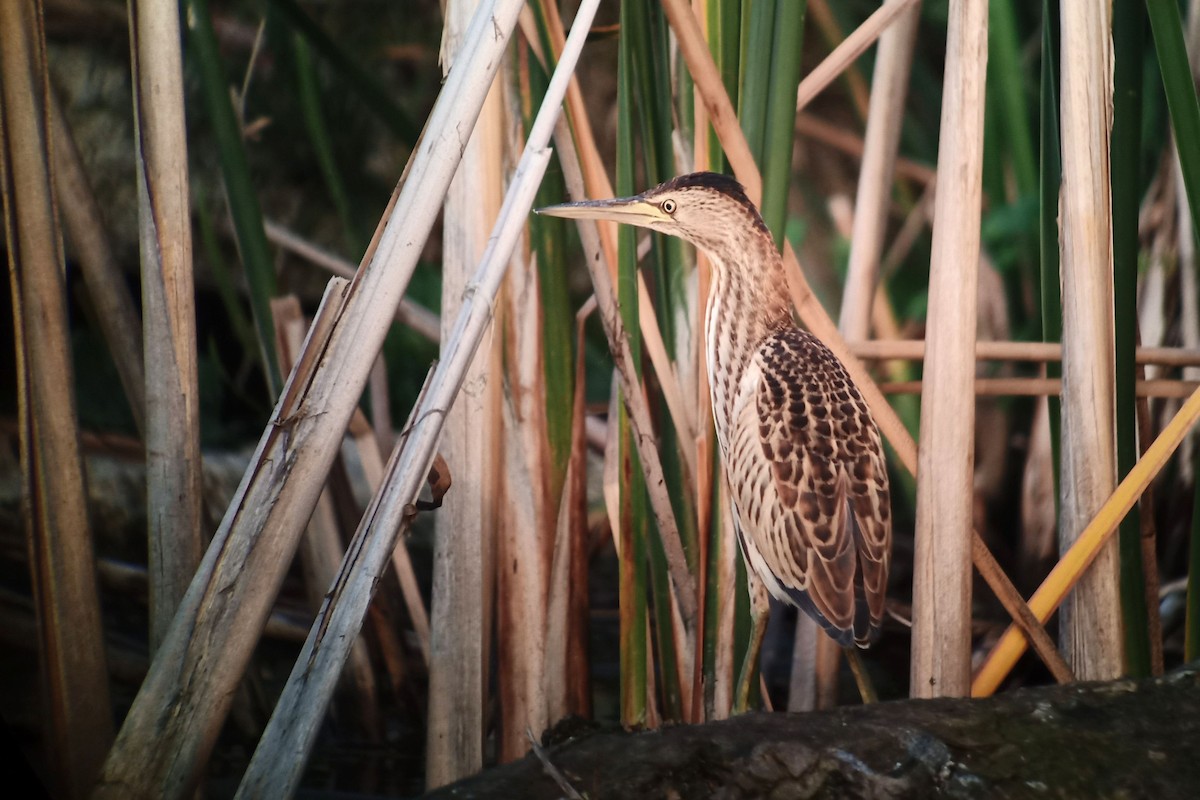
(668, 206)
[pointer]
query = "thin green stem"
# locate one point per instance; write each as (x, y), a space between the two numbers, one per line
(1129, 28)
(239, 188)
(632, 533)
(1049, 183)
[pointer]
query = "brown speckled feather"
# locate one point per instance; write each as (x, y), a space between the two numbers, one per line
(807, 469)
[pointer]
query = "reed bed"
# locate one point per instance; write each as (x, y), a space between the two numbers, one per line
(549, 533)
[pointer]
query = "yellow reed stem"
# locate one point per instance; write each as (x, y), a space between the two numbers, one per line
(1077, 559)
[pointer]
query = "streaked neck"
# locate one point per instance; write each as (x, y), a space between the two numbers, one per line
(748, 300)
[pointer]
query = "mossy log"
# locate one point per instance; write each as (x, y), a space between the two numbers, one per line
(1123, 739)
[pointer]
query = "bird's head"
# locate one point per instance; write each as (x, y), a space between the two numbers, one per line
(709, 210)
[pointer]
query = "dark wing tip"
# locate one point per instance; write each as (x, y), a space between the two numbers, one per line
(845, 637)
(866, 630)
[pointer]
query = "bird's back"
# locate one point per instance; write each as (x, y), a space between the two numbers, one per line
(810, 484)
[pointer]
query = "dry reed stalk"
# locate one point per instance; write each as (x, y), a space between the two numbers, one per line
(827, 23)
(704, 445)
(558, 612)
(1017, 610)
(306, 695)
(369, 455)
(708, 83)
(654, 717)
(409, 312)
(886, 328)
(914, 350)
(911, 229)
(293, 727)
(321, 546)
(802, 682)
(873, 27)
(1189, 308)
(567, 667)
(1038, 387)
(579, 696)
(78, 717)
(893, 63)
(466, 529)
(1090, 623)
(1097, 535)
(850, 143)
(173, 498)
(693, 376)
(726, 662)
(941, 657)
(102, 276)
(169, 731)
(685, 654)
(380, 396)
(1038, 543)
(814, 678)
(530, 525)
(1149, 539)
(207, 633)
(612, 467)
(522, 576)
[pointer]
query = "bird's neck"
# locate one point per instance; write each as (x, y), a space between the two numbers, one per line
(747, 300)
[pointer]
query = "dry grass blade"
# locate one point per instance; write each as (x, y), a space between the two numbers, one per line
(173, 495)
(1075, 561)
(1090, 628)
(84, 224)
(409, 312)
(78, 724)
(823, 19)
(840, 139)
(554, 772)
(567, 606)
(854, 46)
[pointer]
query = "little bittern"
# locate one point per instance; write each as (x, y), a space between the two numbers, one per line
(801, 451)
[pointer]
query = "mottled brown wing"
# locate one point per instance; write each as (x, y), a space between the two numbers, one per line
(811, 488)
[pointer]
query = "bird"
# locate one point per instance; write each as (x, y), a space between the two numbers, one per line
(801, 451)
